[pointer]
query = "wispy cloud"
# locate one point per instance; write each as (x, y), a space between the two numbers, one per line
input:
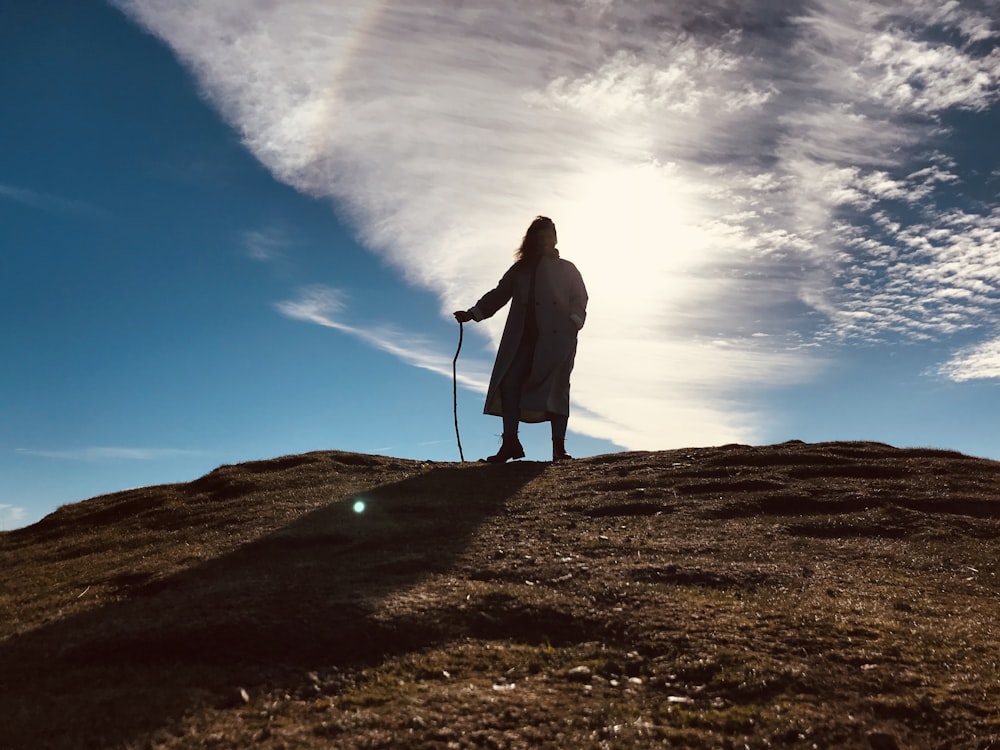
(323, 305)
(105, 453)
(10, 515)
(264, 245)
(52, 203)
(733, 180)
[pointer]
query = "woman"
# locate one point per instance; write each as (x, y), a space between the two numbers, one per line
(530, 381)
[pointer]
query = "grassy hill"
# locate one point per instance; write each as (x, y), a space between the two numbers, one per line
(834, 595)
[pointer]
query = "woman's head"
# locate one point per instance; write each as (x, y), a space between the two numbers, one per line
(539, 240)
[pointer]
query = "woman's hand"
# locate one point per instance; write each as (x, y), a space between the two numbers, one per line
(463, 316)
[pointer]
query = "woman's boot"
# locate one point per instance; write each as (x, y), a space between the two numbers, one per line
(509, 448)
(559, 450)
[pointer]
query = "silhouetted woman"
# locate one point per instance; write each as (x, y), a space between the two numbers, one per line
(530, 381)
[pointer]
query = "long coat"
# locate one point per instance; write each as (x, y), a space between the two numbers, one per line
(560, 311)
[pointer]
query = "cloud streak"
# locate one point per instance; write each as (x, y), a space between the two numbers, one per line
(51, 203)
(264, 245)
(734, 180)
(323, 306)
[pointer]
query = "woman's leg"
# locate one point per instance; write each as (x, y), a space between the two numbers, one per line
(512, 384)
(510, 396)
(559, 424)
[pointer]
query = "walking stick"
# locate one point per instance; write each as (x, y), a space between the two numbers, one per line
(454, 390)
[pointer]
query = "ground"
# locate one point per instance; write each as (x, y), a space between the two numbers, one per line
(830, 595)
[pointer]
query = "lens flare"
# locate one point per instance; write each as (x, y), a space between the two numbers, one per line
(359, 506)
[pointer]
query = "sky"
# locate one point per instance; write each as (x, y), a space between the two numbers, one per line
(237, 229)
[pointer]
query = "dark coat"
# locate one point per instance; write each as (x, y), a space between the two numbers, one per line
(561, 309)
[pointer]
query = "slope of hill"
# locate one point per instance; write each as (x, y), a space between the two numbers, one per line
(835, 595)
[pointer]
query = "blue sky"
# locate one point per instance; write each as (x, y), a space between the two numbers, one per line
(237, 231)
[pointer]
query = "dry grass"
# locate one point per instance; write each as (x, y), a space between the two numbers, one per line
(838, 595)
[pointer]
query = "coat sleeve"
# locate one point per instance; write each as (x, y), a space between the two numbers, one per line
(577, 299)
(494, 299)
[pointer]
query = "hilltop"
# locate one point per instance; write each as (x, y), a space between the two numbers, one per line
(830, 595)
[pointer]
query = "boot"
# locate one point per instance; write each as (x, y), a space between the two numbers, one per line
(509, 448)
(559, 450)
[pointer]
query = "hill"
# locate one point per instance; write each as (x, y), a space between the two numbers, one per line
(833, 595)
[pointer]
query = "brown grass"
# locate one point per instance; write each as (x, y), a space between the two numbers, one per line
(836, 595)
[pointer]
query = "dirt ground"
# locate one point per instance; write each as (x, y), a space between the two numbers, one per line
(831, 595)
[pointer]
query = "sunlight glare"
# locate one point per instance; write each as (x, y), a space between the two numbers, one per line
(641, 219)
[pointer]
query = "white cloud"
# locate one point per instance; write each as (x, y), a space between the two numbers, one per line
(717, 171)
(920, 76)
(922, 279)
(10, 515)
(975, 362)
(108, 453)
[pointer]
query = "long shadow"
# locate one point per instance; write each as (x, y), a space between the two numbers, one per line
(304, 597)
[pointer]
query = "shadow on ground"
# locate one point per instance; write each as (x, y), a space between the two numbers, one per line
(303, 597)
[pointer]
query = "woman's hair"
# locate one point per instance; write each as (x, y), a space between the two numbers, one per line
(537, 239)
